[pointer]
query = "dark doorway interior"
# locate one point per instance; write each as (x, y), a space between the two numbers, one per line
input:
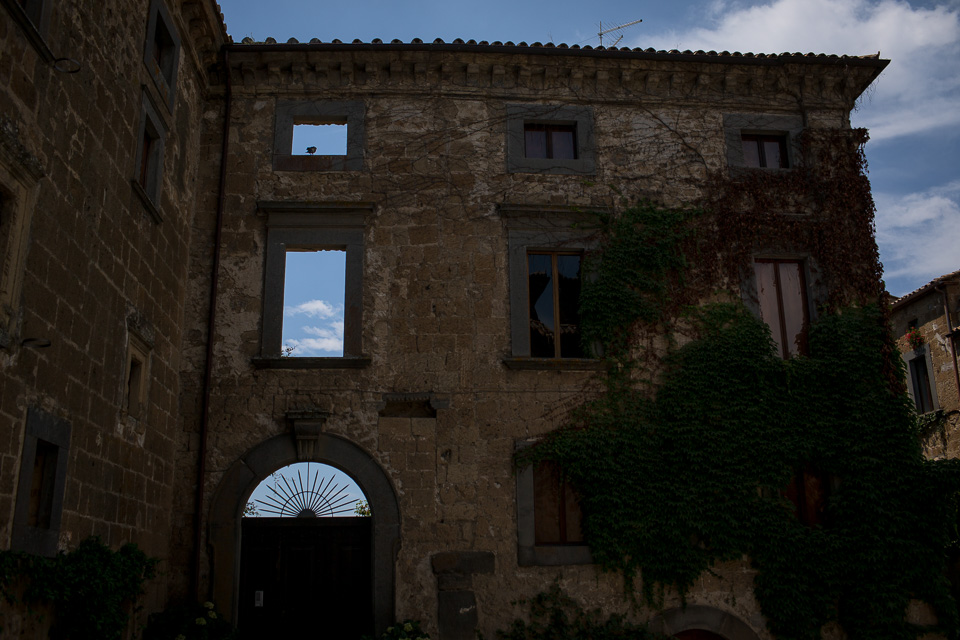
(300, 577)
(697, 634)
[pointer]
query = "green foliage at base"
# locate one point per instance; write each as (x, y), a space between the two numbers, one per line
(556, 616)
(406, 630)
(188, 621)
(675, 484)
(91, 588)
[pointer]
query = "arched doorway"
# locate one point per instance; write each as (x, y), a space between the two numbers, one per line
(697, 634)
(244, 475)
(305, 552)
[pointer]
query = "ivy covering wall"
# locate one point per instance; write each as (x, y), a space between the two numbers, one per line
(682, 459)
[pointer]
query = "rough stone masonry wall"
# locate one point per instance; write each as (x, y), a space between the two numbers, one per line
(436, 317)
(99, 264)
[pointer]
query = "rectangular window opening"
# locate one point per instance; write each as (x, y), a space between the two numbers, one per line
(42, 485)
(134, 386)
(920, 379)
(769, 151)
(782, 293)
(148, 159)
(314, 292)
(164, 50)
(554, 293)
(550, 141)
(327, 138)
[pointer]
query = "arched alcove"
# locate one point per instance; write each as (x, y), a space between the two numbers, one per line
(702, 618)
(245, 474)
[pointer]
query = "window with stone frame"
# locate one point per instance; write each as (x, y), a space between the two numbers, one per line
(782, 294)
(762, 141)
(161, 52)
(308, 227)
(921, 387)
(302, 115)
(42, 480)
(148, 172)
(549, 518)
(546, 246)
(550, 139)
(33, 16)
(136, 378)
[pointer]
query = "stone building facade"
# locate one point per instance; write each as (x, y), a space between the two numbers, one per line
(101, 125)
(149, 203)
(931, 362)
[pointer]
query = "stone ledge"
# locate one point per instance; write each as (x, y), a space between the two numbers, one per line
(312, 363)
(554, 364)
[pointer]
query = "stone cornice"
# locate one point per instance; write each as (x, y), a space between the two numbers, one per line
(626, 75)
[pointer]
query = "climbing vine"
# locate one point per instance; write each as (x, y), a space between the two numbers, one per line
(91, 588)
(677, 476)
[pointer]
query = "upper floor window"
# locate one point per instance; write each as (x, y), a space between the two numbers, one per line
(162, 51)
(553, 280)
(756, 140)
(765, 151)
(782, 294)
(148, 178)
(319, 135)
(332, 339)
(550, 139)
(920, 372)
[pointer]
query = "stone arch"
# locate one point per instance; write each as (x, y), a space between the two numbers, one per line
(243, 476)
(703, 618)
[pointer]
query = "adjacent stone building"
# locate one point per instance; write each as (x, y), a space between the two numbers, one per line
(151, 195)
(927, 322)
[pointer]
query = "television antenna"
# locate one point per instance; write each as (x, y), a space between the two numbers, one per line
(603, 31)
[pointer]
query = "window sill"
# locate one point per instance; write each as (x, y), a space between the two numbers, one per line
(147, 202)
(316, 163)
(30, 30)
(554, 364)
(350, 362)
(553, 556)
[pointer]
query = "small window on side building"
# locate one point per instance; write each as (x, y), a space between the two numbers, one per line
(920, 381)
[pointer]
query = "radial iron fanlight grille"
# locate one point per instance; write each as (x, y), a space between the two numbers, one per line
(314, 498)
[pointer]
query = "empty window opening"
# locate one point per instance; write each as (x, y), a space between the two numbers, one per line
(164, 50)
(551, 141)
(920, 379)
(307, 490)
(42, 484)
(783, 303)
(554, 289)
(765, 151)
(134, 386)
(556, 508)
(148, 158)
(313, 302)
(320, 138)
(808, 491)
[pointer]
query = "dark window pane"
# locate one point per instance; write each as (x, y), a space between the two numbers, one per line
(573, 515)
(922, 397)
(546, 503)
(751, 152)
(772, 153)
(540, 283)
(535, 142)
(563, 143)
(41, 485)
(568, 286)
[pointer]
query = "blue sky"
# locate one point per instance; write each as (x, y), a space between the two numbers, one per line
(912, 111)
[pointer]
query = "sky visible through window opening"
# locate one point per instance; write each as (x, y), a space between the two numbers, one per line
(313, 297)
(326, 139)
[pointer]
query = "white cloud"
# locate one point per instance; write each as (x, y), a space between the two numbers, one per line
(919, 235)
(320, 340)
(314, 309)
(918, 91)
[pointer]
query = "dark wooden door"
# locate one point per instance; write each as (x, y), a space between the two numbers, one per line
(305, 576)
